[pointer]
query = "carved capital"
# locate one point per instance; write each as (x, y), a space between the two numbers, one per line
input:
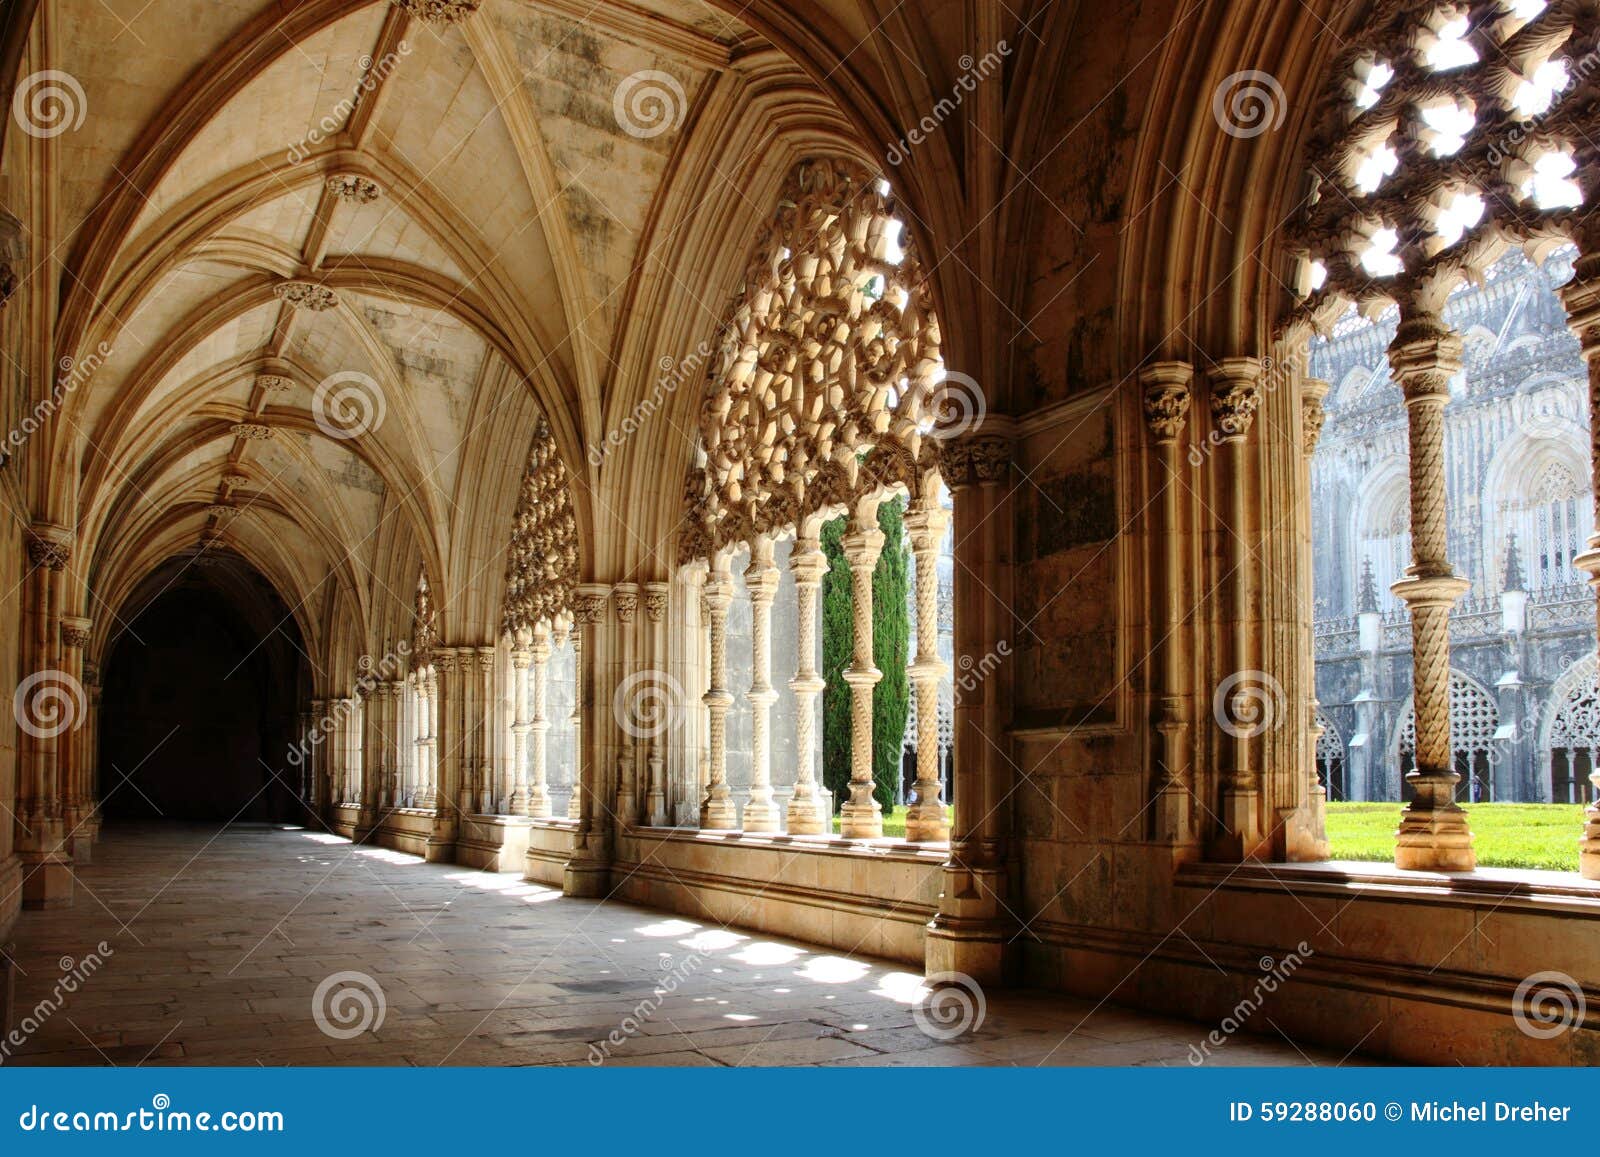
(75, 632)
(49, 549)
(589, 604)
(1425, 355)
(305, 295)
(1166, 398)
(274, 383)
(1235, 396)
(1312, 413)
(627, 600)
(655, 603)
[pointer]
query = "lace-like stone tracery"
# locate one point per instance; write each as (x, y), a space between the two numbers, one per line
(542, 564)
(827, 383)
(1448, 131)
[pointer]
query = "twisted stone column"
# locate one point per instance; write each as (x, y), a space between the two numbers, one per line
(521, 725)
(1433, 834)
(925, 526)
(761, 580)
(862, 817)
(717, 812)
(1167, 399)
(538, 799)
(1582, 298)
(808, 564)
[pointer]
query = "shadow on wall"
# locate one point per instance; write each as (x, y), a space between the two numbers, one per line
(198, 712)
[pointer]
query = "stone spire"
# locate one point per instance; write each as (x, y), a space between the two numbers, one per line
(1513, 580)
(1367, 595)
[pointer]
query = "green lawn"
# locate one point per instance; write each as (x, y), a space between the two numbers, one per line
(1505, 835)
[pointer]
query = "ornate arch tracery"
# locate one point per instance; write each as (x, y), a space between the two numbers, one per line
(827, 384)
(542, 561)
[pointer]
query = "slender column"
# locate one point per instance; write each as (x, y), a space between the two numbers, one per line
(925, 526)
(1433, 834)
(808, 564)
(862, 817)
(655, 610)
(1582, 298)
(538, 799)
(444, 701)
(1235, 394)
(575, 801)
(1167, 399)
(588, 872)
(428, 746)
(1313, 844)
(484, 726)
(717, 812)
(974, 927)
(521, 725)
(625, 597)
(761, 580)
(74, 638)
(48, 708)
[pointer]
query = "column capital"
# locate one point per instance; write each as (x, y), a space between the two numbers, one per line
(862, 546)
(1312, 415)
(49, 545)
(75, 631)
(589, 603)
(626, 598)
(761, 576)
(1424, 355)
(1167, 396)
(1235, 396)
(925, 526)
(655, 600)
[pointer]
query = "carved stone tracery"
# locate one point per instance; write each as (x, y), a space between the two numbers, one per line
(827, 384)
(542, 562)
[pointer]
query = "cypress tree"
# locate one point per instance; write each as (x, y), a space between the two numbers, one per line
(838, 640)
(891, 629)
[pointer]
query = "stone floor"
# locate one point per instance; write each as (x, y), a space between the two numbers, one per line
(219, 942)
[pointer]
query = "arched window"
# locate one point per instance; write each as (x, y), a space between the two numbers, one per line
(1574, 738)
(1384, 536)
(1474, 719)
(1330, 759)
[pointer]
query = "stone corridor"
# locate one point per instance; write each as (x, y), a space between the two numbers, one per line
(220, 938)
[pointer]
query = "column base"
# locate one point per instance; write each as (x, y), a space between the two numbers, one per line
(46, 881)
(760, 815)
(1434, 840)
(805, 817)
(971, 933)
(927, 823)
(586, 879)
(858, 821)
(719, 815)
(539, 806)
(977, 951)
(1170, 821)
(1241, 838)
